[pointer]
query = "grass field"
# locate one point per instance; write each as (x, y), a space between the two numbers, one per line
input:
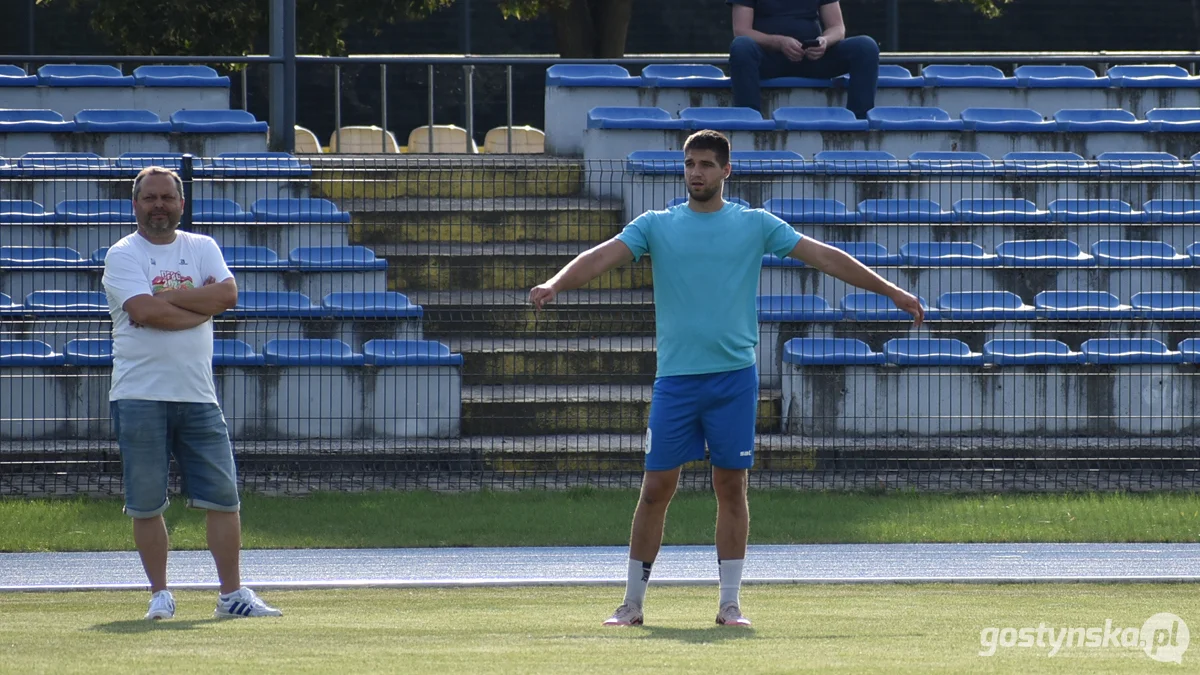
(602, 517)
(827, 629)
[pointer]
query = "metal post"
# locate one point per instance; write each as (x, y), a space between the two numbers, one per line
(283, 76)
(337, 107)
(383, 106)
(893, 25)
(29, 34)
(470, 73)
(185, 175)
(431, 108)
(508, 102)
(466, 26)
(245, 87)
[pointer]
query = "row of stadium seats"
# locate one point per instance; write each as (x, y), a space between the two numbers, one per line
(226, 352)
(70, 75)
(299, 210)
(251, 304)
(447, 138)
(1018, 253)
(986, 306)
(127, 165)
(998, 352)
(895, 118)
(301, 258)
(131, 121)
(999, 210)
(708, 76)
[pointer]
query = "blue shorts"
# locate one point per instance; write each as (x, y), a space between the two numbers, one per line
(149, 432)
(688, 411)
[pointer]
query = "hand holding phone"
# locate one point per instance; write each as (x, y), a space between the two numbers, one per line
(809, 44)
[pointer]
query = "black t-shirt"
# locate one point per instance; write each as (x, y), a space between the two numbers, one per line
(798, 19)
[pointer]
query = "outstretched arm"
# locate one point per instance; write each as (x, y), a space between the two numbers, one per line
(585, 267)
(839, 264)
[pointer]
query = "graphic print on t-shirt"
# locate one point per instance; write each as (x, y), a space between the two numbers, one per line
(170, 280)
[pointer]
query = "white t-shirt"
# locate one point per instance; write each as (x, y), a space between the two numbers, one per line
(161, 365)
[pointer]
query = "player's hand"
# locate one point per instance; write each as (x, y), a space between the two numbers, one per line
(210, 281)
(791, 48)
(909, 303)
(542, 294)
(814, 53)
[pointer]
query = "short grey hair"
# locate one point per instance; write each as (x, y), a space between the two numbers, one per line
(153, 171)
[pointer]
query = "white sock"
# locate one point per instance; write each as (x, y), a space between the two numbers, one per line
(636, 582)
(730, 572)
(226, 596)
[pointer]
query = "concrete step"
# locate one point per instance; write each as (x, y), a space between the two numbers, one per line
(481, 221)
(495, 266)
(574, 409)
(600, 360)
(507, 313)
(390, 176)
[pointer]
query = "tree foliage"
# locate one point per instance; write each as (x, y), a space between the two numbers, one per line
(989, 8)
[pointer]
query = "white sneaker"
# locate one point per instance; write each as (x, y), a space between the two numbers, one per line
(731, 615)
(626, 615)
(162, 606)
(242, 603)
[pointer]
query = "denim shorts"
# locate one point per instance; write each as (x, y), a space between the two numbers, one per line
(150, 432)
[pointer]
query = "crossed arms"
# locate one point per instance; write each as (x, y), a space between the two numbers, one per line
(182, 308)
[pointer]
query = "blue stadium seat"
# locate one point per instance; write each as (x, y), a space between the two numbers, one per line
(82, 76)
(335, 258)
(33, 121)
(912, 118)
(28, 353)
(818, 119)
(726, 119)
(655, 162)
(1006, 120)
(262, 304)
(796, 83)
(130, 163)
(1166, 304)
(365, 305)
(256, 164)
(1099, 120)
(1094, 305)
(865, 306)
(14, 76)
(760, 162)
(864, 162)
(775, 308)
(1095, 211)
(216, 122)
(252, 258)
(1190, 349)
(310, 352)
(8, 307)
(904, 211)
(1174, 119)
(23, 211)
(684, 75)
(1043, 253)
(810, 210)
(234, 353)
(771, 260)
(1029, 352)
(99, 255)
(95, 211)
(892, 76)
(984, 306)
(683, 200)
(966, 76)
(120, 122)
(88, 352)
(589, 75)
(40, 256)
(1132, 253)
(607, 117)
(830, 352)
(298, 211)
(178, 76)
(64, 164)
(947, 253)
(1128, 351)
(930, 352)
(1048, 163)
(219, 211)
(1143, 164)
(1172, 210)
(1002, 210)
(1066, 77)
(1152, 77)
(409, 353)
(67, 303)
(953, 162)
(868, 252)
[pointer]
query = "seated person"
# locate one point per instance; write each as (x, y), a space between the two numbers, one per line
(799, 38)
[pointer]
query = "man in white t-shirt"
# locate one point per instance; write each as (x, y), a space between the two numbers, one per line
(164, 287)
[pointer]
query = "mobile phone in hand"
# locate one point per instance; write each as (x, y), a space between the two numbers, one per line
(809, 44)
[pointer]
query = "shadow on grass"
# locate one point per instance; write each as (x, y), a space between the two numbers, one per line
(138, 626)
(711, 635)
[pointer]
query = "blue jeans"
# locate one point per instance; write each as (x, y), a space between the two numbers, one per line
(149, 432)
(858, 56)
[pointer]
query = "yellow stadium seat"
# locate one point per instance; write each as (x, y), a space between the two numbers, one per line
(447, 138)
(362, 140)
(306, 142)
(525, 140)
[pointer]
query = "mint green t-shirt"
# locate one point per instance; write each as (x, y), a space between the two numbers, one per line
(706, 268)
